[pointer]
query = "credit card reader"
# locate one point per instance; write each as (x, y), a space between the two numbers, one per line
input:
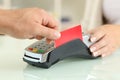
(44, 55)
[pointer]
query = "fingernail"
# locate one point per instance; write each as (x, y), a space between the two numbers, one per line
(93, 39)
(57, 34)
(103, 55)
(95, 54)
(92, 49)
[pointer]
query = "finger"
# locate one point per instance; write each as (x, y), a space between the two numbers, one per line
(91, 31)
(109, 51)
(32, 38)
(49, 21)
(106, 54)
(101, 51)
(52, 23)
(47, 32)
(48, 41)
(39, 37)
(97, 35)
(96, 46)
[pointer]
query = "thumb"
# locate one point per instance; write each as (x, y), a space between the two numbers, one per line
(47, 32)
(92, 31)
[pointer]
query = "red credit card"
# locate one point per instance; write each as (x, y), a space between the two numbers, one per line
(68, 35)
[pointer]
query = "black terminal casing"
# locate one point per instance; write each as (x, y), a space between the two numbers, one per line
(74, 48)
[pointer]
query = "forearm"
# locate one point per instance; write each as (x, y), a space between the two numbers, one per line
(6, 20)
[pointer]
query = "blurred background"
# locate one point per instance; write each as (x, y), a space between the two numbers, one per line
(68, 12)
